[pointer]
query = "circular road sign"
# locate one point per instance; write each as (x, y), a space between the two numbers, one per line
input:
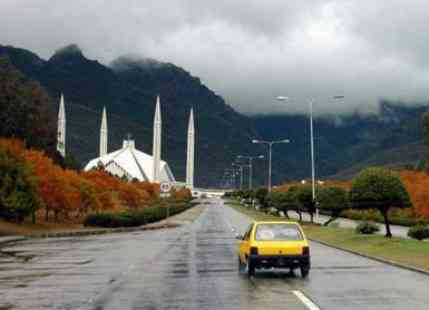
(165, 187)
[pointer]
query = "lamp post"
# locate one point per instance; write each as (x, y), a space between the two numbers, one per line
(270, 155)
(240, 167)
(250, 158)
(313, 174)
(230, 175)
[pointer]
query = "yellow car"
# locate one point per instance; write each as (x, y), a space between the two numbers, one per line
(274, 244)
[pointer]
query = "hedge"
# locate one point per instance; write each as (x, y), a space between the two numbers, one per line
(138, 217)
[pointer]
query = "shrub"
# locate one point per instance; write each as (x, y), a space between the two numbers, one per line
(136, 218)
(367, 228)
(419, 232)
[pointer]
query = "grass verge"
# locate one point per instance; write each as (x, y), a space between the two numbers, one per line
(407, 252)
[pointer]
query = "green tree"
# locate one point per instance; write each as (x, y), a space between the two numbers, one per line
(426, 128)
(423, 163)
(334, 200)
(261, 195)
(18, 188)
(25, 110)
(381, 189)
(282, 201)
(304, 198)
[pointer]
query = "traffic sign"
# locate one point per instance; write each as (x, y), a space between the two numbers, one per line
(165, 187)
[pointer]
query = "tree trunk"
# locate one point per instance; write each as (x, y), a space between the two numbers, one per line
(312, 217)
(385, 212)
(331, 219)
(286, 214)
(33, 217)
(46, 214)
(300, 216)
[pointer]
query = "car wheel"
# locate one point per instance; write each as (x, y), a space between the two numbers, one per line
(250, 268)
(305, 270)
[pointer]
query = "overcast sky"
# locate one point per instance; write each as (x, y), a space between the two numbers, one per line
(249, 51)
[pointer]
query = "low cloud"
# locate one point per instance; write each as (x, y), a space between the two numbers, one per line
(250, 51)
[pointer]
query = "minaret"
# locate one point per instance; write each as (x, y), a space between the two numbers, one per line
(190, 153)
(156, 145)
(103, 134)
(61, 131)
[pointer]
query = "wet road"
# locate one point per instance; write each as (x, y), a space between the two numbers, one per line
(192, 267)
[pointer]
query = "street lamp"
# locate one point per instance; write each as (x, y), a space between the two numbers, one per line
(250, 158)
(270, 153)
(230, 175)
(313, 181)
(240, 167)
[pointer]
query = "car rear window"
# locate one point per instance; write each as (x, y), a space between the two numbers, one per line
(278, 232)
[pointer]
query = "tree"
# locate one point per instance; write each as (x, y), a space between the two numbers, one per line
(284, 201)
(261, 195)
(25, 110)
(304, 198)
(381, 189)
(426, 128)
(333, 199)
(18, 187)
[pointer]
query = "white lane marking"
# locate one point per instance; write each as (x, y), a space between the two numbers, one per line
(305, 300)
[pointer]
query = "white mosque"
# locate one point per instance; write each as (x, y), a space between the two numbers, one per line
(128, 161)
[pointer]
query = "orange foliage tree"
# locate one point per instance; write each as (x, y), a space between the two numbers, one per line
(417, 185)
(65, 192)
(182, 193)
(131, 196)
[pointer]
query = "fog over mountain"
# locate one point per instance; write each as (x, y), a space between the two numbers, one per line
(250, 51)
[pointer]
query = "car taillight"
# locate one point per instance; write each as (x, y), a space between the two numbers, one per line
(306, 251)
(253, 250)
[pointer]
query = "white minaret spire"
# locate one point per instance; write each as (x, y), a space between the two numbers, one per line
(61, 131)
(190, 152)
(156, 145)
(103, 134)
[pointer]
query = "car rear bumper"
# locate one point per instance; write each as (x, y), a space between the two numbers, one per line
(280, 261)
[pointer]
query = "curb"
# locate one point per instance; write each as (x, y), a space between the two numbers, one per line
(101, 231)
(81, 233)
(378, 259)
(163, 224)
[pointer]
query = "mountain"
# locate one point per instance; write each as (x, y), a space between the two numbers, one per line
(128, 88)
(392, 137)
(398, 157)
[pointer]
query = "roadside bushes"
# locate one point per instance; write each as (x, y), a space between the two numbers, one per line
(367, 228)
(419, 232)
(138, 217)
